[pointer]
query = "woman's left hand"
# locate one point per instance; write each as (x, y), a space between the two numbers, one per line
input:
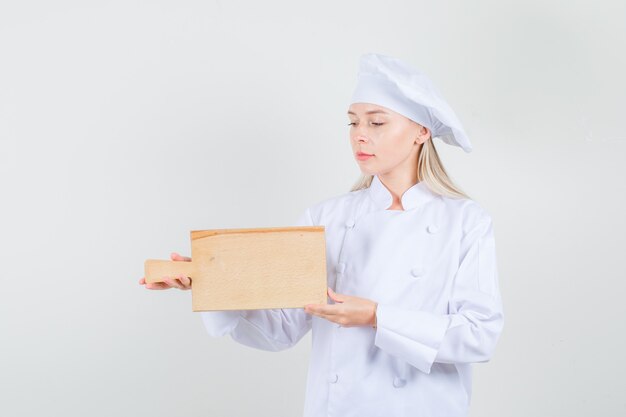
(348, 311)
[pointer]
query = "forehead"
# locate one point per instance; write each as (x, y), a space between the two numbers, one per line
(359, 109)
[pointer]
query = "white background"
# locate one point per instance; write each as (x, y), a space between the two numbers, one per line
(126, 124)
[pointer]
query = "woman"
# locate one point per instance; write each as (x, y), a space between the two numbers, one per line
(411, 267)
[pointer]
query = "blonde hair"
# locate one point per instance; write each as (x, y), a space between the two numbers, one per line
(429, 169)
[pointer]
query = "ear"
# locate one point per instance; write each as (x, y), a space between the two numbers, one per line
(423, 134)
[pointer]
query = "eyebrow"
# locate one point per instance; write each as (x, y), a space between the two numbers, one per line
(370, 112)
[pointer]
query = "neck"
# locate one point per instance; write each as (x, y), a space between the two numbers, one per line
(402, 177)
(397, 184)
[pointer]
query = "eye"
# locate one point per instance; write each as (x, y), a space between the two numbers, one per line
(375, 124)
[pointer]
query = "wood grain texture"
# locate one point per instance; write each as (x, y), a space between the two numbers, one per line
(156, 269)
(258, 268)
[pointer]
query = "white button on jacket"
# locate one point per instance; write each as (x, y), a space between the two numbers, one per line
(432, 269)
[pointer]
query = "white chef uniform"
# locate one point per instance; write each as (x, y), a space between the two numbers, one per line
(431, 268)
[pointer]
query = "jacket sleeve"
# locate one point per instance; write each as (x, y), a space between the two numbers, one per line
(265, 329)
(469, 333)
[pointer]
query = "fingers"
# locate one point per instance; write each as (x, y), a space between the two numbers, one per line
(181, 282)
(176, 257)
(172, 282)
(186, 281)
(158, 286)
(153, 285)
(322, 310)
(334, 318)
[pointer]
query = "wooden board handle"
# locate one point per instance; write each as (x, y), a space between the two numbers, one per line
(156, 269)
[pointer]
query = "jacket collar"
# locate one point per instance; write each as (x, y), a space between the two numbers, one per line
(415, 196)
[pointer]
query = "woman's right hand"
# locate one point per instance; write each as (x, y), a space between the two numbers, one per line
(180, 281)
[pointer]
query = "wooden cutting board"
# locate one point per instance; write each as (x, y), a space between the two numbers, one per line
(244, 269)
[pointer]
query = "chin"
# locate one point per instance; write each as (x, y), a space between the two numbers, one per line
(368, 171)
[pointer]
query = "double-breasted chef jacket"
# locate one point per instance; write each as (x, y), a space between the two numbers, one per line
(432, 270)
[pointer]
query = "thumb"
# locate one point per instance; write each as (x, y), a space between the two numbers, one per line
(334, 296)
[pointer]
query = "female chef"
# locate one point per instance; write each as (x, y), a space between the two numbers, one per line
(411, 267)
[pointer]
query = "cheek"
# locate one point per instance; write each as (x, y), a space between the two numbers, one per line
(394, 144)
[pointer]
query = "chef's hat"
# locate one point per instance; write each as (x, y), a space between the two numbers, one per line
(391, 83)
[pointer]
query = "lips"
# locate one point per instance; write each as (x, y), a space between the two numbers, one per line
(362, 156)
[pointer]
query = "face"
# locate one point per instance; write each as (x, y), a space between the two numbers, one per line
(392, 139)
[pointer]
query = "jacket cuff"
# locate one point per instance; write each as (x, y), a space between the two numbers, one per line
(219, 323)
(412, 335)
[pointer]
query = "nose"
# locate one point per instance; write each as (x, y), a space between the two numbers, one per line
(360, 138)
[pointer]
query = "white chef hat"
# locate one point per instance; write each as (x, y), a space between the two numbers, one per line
(391, 83)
